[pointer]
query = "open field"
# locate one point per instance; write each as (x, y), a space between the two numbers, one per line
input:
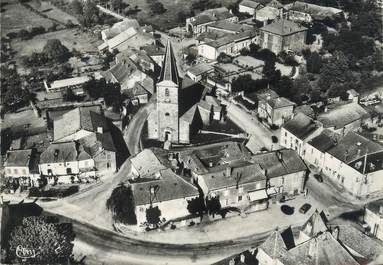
(52, 12)
(71, 38)
(169, 19)
(15, 17)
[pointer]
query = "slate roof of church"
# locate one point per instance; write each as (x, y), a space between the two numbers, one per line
(169, 66)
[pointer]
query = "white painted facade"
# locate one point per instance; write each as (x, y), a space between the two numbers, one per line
(375, 221)
(289, 140)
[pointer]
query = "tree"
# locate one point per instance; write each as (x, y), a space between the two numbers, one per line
(314, 63)
(153, 215)
(213, 205)
(224, 58)
(49, 240)
(270, 72)
(76, 6)
(301, 86)
(196, 206)
(116, 4)
(244, 51)
(284, 87)
(121, 204)
(368, 23)
(335, 72)
(156, 7)
(247, 84)
(90, 14)
(56, 51)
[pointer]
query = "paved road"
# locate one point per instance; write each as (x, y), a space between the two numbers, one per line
(132, 133)
(251, 125)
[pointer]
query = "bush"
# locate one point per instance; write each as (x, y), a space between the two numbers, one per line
(274, 139)
(53, 192)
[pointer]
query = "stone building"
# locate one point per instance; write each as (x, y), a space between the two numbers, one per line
(282, 35)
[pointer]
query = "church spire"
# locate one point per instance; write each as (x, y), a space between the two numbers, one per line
(169, 66)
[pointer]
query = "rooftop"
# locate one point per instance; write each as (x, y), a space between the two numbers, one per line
(318, 12)
(361, 153)
(119, 27)
(230, 38)
(280, 102)
(338, 116)
(169, 66)
(249, 3)
(301, 126)
(18, 158)
(279, 163)
(147, 163)
(283, 27)
(305, 109)
(325, 141)
(200, 69)
(59, 152)
(74, 81)
(248, 61)
(229, 26)
(168, 187)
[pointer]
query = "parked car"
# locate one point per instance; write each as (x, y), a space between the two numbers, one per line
(305, 208)
(318, 177)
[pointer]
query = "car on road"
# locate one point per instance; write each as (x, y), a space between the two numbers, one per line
(318, 177)
(305, 208)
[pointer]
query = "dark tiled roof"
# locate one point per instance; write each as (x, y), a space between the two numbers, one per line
(359, 242)
(318, 12)
(121, 71)
(189, 115)
(229, 26)
(94, 143)
(305, 109)
(301, 126)
(18, 158)
(249, 3)
(352, 150)
(147, 163)
(169, 66)
(59, 152)
(342, 115)
(315, 225)
(274, 245)
(232, 38)
(200, 69)
(324, 141)
(283, 27)
(280, 102)
(289, 163)
(168, 187)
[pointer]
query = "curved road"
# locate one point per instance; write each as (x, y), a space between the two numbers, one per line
(132, 133)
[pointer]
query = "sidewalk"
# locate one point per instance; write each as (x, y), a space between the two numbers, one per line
(234, 227)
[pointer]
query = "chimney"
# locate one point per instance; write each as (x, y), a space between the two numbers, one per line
(358, 153)
(279, 155)
(151, 189)
(242, 258)
(228, 171)
(99, 129)
(335, 233)
(210, 164)
(325, 109)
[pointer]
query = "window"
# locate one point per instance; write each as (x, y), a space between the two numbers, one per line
(342, 180)
(167, 114)
(9, 171)
(167, 92)
(240, 190)
(286, 134)
(24, 172)
(86, 163)
(239, 198)
(15, 171)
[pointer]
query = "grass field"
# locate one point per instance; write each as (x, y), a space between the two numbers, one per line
(71, 38)
(15, 17)
(52, 12)
(169, 19)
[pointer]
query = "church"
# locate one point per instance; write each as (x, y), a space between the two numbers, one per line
(176, 118)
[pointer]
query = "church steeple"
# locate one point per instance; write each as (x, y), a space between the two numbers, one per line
(169, 66)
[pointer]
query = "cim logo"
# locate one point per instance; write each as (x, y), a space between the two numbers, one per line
(25, 253)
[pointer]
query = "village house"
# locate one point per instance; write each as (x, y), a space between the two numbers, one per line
(155, 52)
(125, 36)
(316, 148)
(22, 166)
(176, 118)
(74, 83)
(198, 24)
(165, 190)
(249, 62)
(126, 73)
(210, 109)
(275, 111)
(282, 35)
(373, 216)
(249, 6)
(356, 164)
(65, 162)
(92, 130)
(228, 27)
(285, 172)
(306, 12)
(318, 243)
(298, 131)
(146, 163)
(230, 44)
(271, 11)
(343, 118)
(199, 71)
(353, 95)
(222, 171)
